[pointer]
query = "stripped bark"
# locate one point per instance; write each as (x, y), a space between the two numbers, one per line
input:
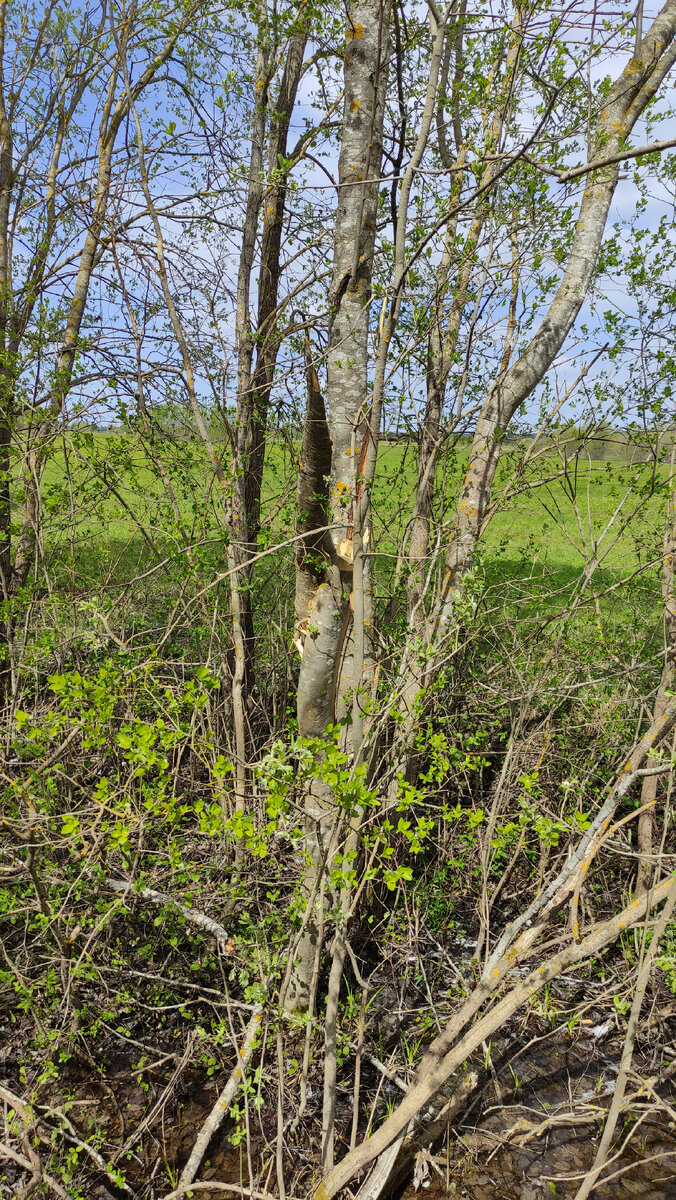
(313, 550)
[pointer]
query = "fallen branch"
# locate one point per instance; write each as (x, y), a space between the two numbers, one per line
(395, 1165)
(192, 915)
(440, 1067)
(43, 1177)
(220, 1110)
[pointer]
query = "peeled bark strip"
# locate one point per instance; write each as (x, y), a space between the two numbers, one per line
(314, 549)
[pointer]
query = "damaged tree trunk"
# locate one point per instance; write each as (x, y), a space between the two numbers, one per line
(323, 627)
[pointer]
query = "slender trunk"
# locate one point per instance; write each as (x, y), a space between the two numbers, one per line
(255, 404)
(646, 820)
(240, 540)
(365, 77)
(6, 367)
(442, 343)
(363, 602)
(626, 101)
(228, 487)
(113, 115)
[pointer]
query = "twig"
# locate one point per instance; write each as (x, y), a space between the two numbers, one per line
(7, 1152)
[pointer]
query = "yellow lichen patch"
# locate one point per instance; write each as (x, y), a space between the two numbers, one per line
(495, 973)
(355, 106)
(628, 767)
(357, 31)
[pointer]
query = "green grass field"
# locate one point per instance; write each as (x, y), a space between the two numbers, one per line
(116, 509)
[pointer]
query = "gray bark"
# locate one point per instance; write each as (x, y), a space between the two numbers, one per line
(327, 621)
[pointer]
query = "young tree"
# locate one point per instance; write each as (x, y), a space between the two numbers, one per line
(60, 89)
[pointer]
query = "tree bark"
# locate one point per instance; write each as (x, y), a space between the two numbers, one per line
(365, 78)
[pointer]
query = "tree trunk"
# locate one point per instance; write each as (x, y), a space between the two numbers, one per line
(646, 820)
(359, 166)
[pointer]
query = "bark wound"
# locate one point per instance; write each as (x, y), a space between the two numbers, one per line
(314, 549)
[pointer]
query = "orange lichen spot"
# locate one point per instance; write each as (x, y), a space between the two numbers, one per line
(357, 31)
(628, 767)
(243, 1052)
(355, 106)
(495, 973)
(237, 1072)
